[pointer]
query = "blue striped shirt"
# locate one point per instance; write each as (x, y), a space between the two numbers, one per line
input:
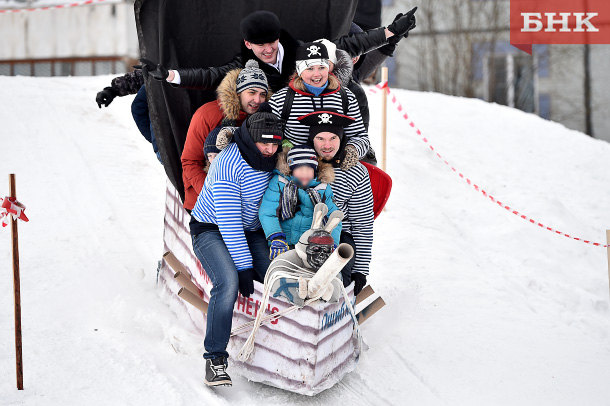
(230, 198)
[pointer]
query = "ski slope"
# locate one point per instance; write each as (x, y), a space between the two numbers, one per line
(483, 308)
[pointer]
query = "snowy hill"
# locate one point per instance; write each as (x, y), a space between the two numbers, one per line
(483, 307)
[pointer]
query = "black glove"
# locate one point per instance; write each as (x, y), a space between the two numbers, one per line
(105, 97)
(155, 70)
(402, 24)
(246, 282)
(359, 282)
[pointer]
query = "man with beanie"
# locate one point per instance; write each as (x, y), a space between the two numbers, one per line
(287, 208)
(351, 188)
(239, 95)
(273, 47)
(226, 232)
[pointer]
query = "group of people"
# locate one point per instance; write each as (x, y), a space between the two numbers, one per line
(285, 133)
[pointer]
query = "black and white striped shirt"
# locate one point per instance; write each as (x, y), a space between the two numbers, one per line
(354, 197)
(305, 103)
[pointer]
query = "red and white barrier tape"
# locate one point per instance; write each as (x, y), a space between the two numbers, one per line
(68, 5)
(377, 89)
(10, 206)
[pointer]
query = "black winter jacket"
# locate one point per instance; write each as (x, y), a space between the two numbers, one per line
(209, 78)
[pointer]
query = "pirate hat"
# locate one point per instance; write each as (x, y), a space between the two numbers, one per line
(311, 54)
(325, 120)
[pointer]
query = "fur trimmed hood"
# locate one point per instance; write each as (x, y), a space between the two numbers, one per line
(298, 84)
(228, 98)
(344, 68)
(326, 172)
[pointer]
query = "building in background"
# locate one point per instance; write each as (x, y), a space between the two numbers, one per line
(461, 48)
(94, 39)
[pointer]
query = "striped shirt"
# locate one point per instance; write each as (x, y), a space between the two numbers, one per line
(354, 197)
(230, 198)
(303, 104)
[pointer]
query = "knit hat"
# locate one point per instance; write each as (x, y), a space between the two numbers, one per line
(311, 54)
(261, 27)
(325, 120)
(266, 127)
(330, 48)
(302, 155)
(210, 142)
(251, 76)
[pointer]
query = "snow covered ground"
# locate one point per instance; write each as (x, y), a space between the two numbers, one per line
(483, 308)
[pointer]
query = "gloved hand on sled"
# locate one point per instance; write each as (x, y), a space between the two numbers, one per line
(402, 24)
(246, 282)
(359, 282)
(350, 159)
(278, 245)
(157, 71)
(105, 97)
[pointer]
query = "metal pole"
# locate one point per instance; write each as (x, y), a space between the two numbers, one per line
(384, 116)
(16, 288)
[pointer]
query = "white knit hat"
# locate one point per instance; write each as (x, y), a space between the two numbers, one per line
(331, 48)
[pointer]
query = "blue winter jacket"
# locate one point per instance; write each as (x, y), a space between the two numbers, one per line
(139, 111)
(269, 210)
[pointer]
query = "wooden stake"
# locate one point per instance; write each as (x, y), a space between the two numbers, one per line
(608, 243)
(16, 288)
(384, 116)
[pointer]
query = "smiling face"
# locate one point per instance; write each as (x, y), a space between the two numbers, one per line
(251, 99)
(267, 53)
(268, 149)
(326, 144)
(315, 75)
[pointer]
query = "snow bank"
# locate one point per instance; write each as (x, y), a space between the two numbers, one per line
(483, 307)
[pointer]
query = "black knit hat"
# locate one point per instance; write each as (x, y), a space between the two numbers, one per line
(209, 146)
(261, 27)
(266, 127)
(325, 120)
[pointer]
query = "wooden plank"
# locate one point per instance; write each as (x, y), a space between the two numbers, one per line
(364, 294)
(370, 310)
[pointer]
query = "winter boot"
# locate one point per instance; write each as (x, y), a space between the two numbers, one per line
(216, 372)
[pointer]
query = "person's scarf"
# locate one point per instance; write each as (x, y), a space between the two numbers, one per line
(250, 153)
(316, 91)
(290, 199)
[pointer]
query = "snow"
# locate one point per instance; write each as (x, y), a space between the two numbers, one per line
(482, 307)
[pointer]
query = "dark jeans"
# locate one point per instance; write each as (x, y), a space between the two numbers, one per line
(214, 256)
(346, 272)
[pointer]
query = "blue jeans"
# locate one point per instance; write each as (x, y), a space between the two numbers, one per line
(214, 256)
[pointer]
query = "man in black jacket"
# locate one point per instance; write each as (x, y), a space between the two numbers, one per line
(275, 50)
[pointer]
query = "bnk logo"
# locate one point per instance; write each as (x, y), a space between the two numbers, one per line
(532, 22)
(559, 22)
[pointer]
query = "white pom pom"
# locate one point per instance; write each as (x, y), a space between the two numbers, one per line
(252, 64)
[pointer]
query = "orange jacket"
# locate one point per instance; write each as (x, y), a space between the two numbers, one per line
(205, 119)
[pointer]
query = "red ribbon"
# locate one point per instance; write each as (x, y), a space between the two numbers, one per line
(11, 207)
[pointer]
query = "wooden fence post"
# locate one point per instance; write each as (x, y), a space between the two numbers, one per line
(16, 288)
(608, 252)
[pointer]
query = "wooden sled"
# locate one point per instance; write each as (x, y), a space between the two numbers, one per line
(305, 351)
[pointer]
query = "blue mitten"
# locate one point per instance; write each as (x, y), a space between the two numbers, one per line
(278, 245)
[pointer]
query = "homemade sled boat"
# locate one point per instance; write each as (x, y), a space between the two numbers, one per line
(305, 351)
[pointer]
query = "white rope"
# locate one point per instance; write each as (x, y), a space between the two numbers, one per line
(292, 271)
